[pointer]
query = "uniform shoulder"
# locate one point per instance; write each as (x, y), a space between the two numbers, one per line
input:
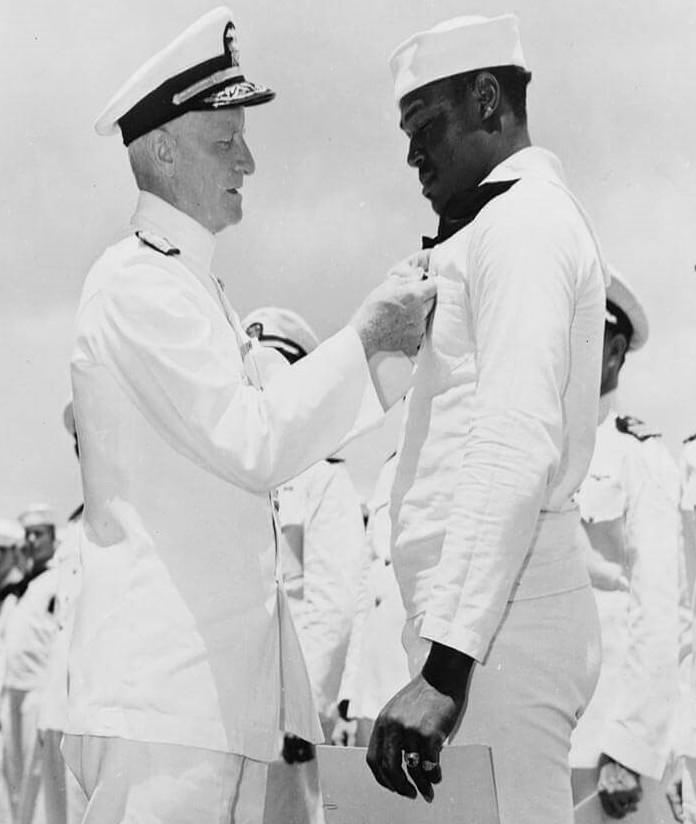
(636, 428)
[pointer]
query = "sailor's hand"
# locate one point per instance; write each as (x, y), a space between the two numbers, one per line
(410, 732)
(394, 316)
(296, 750)
(618, 787)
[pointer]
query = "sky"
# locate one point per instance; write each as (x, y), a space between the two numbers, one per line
(332, 203)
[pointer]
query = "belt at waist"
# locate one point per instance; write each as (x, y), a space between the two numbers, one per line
(555, 562)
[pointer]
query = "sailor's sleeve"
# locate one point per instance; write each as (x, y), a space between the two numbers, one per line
(522, 277)
(638, 731)
(161, 347)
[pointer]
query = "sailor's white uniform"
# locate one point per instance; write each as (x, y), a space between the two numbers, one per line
(498, 434)
(322, 588)
(376, 666)
(182, 634)
(629, 504)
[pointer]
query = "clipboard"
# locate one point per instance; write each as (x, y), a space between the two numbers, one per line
(351, 795)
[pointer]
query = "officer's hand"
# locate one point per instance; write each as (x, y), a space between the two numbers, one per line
(618, 787)
(296, 750)
(417, 721)
(414, 267)
(344, 732)
(674, 796)
(394, 316)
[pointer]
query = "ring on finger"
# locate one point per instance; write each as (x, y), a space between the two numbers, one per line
(412, 759)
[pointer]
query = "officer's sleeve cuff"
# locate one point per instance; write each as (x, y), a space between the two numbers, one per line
(463, 639)
(633, 753)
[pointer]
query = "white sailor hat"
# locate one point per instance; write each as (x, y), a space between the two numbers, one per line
(198, 71)
(11, 532)
(623, 301)
(281, 329)
(463, 44)
(37, 515)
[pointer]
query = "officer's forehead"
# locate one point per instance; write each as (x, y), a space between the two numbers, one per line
(215, 124)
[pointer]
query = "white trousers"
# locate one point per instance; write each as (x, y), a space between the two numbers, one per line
(524, 701)
(133, 782)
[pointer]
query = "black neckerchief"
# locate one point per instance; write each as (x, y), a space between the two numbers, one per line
(463, 209)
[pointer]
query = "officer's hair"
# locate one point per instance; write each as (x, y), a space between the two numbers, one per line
(513, 82)
(144, 172)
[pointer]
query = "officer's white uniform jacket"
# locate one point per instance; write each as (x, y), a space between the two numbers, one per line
(53, 710)
(181, 635)
(500, 424)
(629, 504)
(322, 585)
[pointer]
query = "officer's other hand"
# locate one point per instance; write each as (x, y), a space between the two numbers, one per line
(394, 316)
(296, 750)
(344, 732)
(674, 796)
(409, 732)
(618, 787)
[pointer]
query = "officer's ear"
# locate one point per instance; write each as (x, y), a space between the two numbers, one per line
(161, 145)
(616, 353)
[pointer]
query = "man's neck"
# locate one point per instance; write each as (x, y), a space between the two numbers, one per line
(511, 142)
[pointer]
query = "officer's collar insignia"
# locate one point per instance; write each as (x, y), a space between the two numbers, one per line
(157, 242)
(639, 430)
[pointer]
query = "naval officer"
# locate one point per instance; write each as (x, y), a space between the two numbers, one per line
(184, 664)
(629, 504)
(502, 632)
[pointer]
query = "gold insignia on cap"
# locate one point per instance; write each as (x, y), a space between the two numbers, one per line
(229, 39)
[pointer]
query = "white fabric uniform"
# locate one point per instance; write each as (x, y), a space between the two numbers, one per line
(498, 434)
(322, 588)
(376, 666)
(686, 722)
(64, 799)
(629, 505)
(182, 635)
(29, 634)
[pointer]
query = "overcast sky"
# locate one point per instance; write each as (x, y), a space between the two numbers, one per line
(332, 202)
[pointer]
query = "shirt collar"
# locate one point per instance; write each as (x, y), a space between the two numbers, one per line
(532, 161)
(194, 241)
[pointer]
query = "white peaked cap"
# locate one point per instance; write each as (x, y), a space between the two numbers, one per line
(621, 293)
(463, 44)
(197, 71)
(275, 327)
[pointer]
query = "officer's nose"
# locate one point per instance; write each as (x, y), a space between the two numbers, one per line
(245, 160)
